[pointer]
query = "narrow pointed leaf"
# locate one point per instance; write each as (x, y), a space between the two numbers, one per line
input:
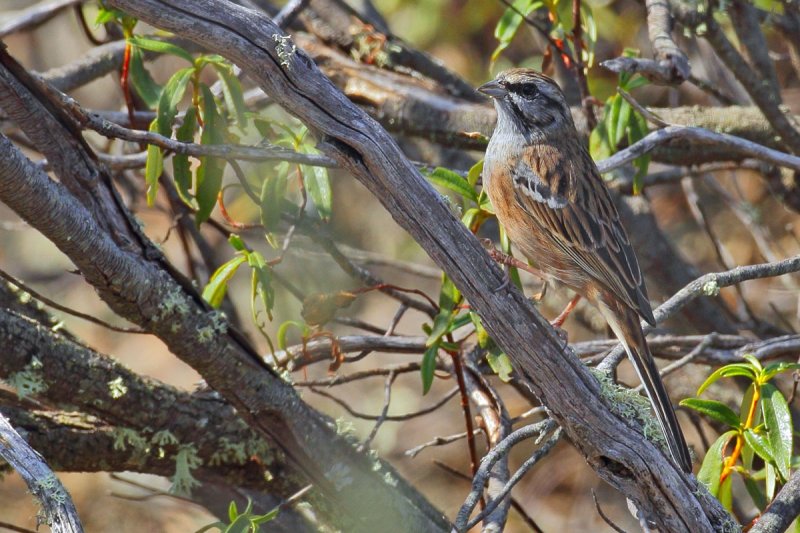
(153, 168)
(759, 445)
(755, 492)
(181, 167)
(232, 92)
(778, 420)
(453, 181)
(210, 171)
(141, 80)
(735, 369)
(713, 409)
(171, 96)
(318, 185)
(217, 286)
(162, 47)
(428, 368)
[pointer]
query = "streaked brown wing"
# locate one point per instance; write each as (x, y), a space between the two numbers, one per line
(579, 216)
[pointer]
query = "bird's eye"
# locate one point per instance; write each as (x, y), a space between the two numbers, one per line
(528, 90)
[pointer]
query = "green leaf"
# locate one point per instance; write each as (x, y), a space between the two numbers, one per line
(264, 518)
(233, 511)
(153, 168)
(232, 92)
(612, 120)
(237, 243)
(778, 420)
(170, 98)
(141, 81)
(181, 167)
(637, 129)
(318, 185)
(505, 247)
(448, 179)
(283, 330)
(759, 445)
(209, 173)
(273, 189)
(713, 409)
(772, 370)
(501, 365)
(449, 295)
(240, 525)
(753, 360)
(428, 367)
(441, 326)
(217, 286)
(480, 332)
(725, 496)
(755, 492)
(108, 14)
(474, 173)
(771, 481)
(623, 121)
(599, 145)
(216, 525)
(210, 59)
(734, 369)
(161, 47)
(509, 23)
(711, 469)
(261, 283)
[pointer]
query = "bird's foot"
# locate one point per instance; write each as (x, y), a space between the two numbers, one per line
(561, 318)
(508, 260)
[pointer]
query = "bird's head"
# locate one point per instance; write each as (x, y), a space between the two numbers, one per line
(528, 102)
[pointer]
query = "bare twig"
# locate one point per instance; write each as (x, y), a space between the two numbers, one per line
(320, 349)
(439, 441)
(389, 418)
(387, 398)
(332, 381)
(605, 518)
(12, 527)
(740, 148)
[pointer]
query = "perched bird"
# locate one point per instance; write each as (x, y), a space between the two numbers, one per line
(549, 196)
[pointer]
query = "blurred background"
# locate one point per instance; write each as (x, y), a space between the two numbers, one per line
(558, 493)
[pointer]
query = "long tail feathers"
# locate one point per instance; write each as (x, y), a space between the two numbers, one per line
(631, 335)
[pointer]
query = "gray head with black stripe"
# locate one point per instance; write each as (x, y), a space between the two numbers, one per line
(528, 103)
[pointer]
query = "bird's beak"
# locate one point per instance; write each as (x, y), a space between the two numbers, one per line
(494, 88)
